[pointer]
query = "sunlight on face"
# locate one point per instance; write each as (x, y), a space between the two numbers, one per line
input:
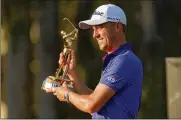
(104, 35)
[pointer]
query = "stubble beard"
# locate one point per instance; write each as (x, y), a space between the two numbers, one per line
(103, 48)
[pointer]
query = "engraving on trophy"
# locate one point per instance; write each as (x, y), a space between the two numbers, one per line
(57, 80)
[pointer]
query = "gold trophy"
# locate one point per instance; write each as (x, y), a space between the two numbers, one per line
(52, 82)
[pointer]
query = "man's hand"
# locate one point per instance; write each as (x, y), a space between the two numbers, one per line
(79, 85)
(72, 63)
(59, 91)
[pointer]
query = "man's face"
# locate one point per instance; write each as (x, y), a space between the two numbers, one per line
(104, 34)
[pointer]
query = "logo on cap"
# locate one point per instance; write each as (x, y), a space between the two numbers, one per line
(113, 18)
(98, 13)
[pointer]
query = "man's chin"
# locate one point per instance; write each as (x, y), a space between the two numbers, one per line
(103, 48)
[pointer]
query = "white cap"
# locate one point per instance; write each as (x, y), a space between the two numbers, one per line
(103, 14)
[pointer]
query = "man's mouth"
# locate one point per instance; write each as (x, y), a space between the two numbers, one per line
(99, 41)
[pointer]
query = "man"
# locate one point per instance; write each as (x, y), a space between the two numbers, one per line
(118, 94)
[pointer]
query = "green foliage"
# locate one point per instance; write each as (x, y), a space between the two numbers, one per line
(20, 19)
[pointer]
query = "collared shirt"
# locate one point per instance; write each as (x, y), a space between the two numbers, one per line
(122, 71)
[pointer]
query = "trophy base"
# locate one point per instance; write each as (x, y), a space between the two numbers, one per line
(51, 82)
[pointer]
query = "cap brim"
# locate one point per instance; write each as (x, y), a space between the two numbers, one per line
(88, 23)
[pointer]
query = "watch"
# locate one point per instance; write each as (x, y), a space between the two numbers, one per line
(66, 97)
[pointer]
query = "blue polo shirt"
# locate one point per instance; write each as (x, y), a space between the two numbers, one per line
(122, 71)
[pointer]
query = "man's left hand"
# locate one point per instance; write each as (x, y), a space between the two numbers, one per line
(60, 91)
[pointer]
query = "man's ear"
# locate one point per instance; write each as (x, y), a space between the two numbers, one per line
(118, 27)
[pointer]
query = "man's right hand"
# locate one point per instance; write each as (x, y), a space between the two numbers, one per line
(72, 63)
(78, 84)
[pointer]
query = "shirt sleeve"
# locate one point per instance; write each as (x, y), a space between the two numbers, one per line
(116, 75)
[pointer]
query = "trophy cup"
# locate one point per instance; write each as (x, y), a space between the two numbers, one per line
(52, 82)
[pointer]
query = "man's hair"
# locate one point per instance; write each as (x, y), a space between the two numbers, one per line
(124, 28)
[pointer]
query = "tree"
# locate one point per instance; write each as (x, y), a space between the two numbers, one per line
(49, 55)
(19, 55)
(152, 54)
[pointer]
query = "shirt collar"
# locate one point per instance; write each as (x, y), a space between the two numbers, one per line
(123, 47)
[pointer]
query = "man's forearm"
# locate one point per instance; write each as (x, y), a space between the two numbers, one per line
(79, 85)
(82, 102)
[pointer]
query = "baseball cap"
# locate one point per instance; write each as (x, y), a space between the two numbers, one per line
(103, 14)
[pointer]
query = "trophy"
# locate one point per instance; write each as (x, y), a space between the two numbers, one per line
(52, 82)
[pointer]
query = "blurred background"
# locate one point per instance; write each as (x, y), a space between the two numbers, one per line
(31, 43)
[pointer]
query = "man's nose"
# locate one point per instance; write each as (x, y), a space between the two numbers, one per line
(95, 34)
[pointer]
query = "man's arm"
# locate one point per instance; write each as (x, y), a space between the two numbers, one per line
(79, 84)
(93, 102)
